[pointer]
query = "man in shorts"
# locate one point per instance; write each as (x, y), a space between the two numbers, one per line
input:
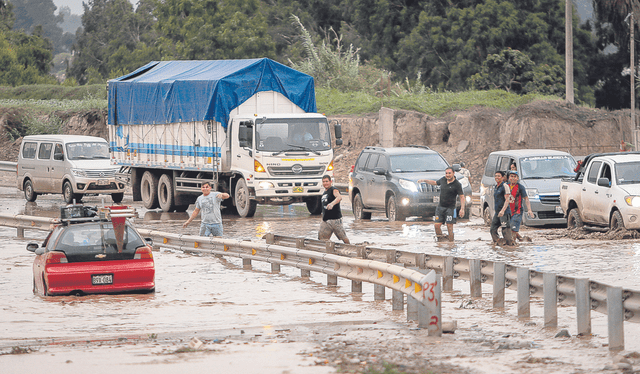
(450, 188)
(502, 214)
(331, 214)
(209, 205)
(517, 193)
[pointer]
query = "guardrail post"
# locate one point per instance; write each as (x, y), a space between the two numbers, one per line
(271, 239)
(615, 321)
(475, 278)
(356, 286)
(447, 274)
(430, 309)
(583, 306)
(550, 292)
(332, 280)
(397, 297)
(378, 292)
(499, 271)
(412, 303)
(20, 233)
(246, 263)
(300, 245)
(524, 294)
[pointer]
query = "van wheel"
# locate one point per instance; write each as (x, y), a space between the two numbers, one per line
(68, 195)
(149, 190)
(29, 193)
(486, 216)
(358, 208)
(165, 193)
(314, 205)
(616, 221)
(392, 210)
(246, 207)
(573, 219)
(117, 197)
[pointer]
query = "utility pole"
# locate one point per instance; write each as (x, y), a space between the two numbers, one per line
(635, 131)
(568, 49)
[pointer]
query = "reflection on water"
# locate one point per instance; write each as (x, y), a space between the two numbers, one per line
(153, 215)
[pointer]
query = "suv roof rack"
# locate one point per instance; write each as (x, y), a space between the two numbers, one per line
(419, 146)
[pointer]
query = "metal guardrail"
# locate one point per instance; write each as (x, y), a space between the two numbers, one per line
(423, 288)
(617, 303)
(8, 166)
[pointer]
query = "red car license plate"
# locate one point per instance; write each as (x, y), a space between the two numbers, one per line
(102, 279)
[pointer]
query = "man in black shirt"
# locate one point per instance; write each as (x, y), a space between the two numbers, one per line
(450, 188)
(331, 214)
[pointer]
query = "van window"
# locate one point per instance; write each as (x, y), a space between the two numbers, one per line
(505, 163)
(606, 172)
(44, 153)
(58, 154)
(593, 172)
(87, 150)
(29, 150)
(490, 169)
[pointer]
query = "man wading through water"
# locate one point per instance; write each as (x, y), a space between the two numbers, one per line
(450, 188)
(502, 214)
(331, 214)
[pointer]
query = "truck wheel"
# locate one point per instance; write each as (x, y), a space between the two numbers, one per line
(149, 190)
(229, 208)
(616, 221)
(117, 197)
(486, 216)
(392, 210)
(573, 219)
(68, 195)
(314, 205)
(358, 208)
(246, 207)
(29, 193)
(165, 193)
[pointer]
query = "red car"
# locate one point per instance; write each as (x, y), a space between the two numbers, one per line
(85, 255)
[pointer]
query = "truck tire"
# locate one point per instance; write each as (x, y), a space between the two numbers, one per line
(29, 193)
(165, 193)
(616, 222)
(117, 197)
(68, 195)
(573, 219)
(229, 208)
(149, 190)
(245, 206)
(392, 210)
(314, 205)
(358, 208)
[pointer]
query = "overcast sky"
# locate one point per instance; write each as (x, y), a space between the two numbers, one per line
(75, 5)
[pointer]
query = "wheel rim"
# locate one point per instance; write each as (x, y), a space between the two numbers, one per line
(392, 209)
(67, 193)
(358, 207)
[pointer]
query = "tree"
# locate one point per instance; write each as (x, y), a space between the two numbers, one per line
(509, 70)
(32, 13)
(6, 16)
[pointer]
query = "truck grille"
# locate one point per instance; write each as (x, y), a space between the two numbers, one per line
(288, 170)
(425, 187)
(109, 173)
(550, 215)
(550, 199)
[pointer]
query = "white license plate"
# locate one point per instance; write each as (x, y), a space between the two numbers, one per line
(436, 199)
(103, 182)
(298, 189)
(102, 279)
(559, 210)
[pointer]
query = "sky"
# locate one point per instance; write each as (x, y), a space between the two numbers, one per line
(74, 5)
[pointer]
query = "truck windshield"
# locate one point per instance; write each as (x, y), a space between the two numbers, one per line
(418, 163)
(87, 150)
(292, 134)
(627, 173)
(547, 167)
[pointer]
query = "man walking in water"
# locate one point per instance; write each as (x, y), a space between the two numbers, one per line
(450, 188)
(502, 214)
(331, 213)
(209, 204)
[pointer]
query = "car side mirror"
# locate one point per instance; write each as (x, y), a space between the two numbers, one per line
(379, 171)
(455, 167)
(338, 141)
(149, 242)
(604, 182)
(32, 247)
(58, 156)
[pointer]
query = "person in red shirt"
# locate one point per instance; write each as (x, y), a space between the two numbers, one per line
(518, 193)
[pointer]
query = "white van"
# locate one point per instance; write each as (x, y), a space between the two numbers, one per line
(71, 165)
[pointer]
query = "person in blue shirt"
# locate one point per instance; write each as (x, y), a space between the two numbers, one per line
(502, 214)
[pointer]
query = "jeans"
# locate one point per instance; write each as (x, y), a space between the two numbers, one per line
(211, 229)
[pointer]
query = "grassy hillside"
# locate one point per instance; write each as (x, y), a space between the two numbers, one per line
(48, 98)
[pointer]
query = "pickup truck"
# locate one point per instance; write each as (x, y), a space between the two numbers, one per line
(605, 192)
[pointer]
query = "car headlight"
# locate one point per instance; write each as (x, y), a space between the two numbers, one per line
(265, 185)
(633, 201)
(464, 181)
(79, 173)
(408, 185)
(532, 193)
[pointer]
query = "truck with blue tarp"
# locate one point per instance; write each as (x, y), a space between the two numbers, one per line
(249, 127)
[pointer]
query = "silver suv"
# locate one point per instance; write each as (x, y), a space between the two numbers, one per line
(385, 180)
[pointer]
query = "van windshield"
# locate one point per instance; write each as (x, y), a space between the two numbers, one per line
(87, 150)
(547, 167)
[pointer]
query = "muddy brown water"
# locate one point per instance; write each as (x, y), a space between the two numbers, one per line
(202, 293)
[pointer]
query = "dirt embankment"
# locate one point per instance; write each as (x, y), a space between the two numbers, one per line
(468, 136)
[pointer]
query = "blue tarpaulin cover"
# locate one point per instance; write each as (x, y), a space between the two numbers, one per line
(186, 91)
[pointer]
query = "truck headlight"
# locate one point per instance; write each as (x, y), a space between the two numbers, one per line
(408, 185)
(265, 185)
(79, 173)
(633, 201)
(533, 193)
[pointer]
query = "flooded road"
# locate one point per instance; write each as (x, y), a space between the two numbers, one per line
(215, 298)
